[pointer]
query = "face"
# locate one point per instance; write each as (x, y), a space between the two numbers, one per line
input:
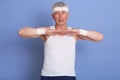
(60, 17)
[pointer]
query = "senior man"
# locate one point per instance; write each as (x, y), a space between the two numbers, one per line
(59, 44)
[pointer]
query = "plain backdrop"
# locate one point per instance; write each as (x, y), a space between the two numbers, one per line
(22, 59)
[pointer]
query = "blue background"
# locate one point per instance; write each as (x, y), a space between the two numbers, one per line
(22, 59)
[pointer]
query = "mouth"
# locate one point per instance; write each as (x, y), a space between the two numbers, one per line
(61, 20)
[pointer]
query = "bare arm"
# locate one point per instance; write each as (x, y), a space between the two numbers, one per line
(28, 32)
(92, 35)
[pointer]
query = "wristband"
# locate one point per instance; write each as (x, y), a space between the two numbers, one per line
(40, 31)
(83, 32)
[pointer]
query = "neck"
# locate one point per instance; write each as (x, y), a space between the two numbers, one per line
(61, 27)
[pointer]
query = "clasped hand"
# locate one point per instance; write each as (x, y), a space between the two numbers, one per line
(71, 32)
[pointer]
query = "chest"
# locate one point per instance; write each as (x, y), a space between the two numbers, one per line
(57, 37)
(57, 41)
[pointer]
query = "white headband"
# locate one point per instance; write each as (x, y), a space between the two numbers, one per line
(60, 9)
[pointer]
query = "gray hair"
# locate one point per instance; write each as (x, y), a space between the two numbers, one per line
(59, 4)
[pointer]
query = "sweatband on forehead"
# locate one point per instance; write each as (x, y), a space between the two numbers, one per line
(60, 9)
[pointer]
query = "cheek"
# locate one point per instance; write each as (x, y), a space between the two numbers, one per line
(56, 17)
(66, 17)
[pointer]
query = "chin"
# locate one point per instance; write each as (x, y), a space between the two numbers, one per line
(61, 23)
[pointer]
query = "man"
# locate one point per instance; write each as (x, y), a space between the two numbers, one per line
(60, 41)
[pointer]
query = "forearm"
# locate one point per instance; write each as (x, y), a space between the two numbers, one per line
(27, 32)
(93, 36)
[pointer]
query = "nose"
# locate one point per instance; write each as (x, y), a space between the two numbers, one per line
(60, 16)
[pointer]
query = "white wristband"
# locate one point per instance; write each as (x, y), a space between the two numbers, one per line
(83, 32)
(40, 31)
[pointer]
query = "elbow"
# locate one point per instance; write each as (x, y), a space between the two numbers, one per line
(24, 32)
(100, 38)
(20, 33)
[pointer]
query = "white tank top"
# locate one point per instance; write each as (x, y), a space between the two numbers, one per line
(59, 56)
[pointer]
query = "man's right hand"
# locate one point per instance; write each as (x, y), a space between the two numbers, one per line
(71, 32)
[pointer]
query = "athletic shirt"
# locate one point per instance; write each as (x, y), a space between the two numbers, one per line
(59, 56)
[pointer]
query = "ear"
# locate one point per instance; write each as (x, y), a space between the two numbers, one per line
(68, 14)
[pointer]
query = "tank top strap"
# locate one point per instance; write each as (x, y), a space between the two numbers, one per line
(52, 27)
(69, 27)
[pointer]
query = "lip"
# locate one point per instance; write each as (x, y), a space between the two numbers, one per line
(61, 20)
